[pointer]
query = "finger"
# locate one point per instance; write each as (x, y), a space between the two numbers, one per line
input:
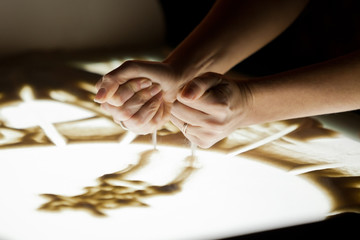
(215, 102)
(139, 100)
(98, 84)
(188, 114)
(190, 132)
(137, 69)
(133, 105)
(129, 89)
(162, 115)
(107, 86)
(159, 114)
(202, 137)
(140, 122)
(113, 111)
(177, 122)
(198, 86)
(110, 81)
(113, 92)
(105, 90)
(204, 123)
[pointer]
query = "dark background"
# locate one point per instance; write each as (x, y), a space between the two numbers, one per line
(342, 226)
(324, 30)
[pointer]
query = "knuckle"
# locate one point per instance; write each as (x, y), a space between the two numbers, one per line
(141, 128)
(216, 126)
(158, 120)
(133, 85)
(123, 114)
(210, 75)
(200, 82)
(129, 89)
(153, 106)
(108, 77)
(131, 65)
(223, 94)
(118, 100)
(142, 97)
(223, 113)
(137, 122)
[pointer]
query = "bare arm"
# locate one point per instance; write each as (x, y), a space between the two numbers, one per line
(232, 31)
(329, 87)
(213, 105)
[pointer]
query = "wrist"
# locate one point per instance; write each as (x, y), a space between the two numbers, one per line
(283, 96)
(188, 66)
(272, 100)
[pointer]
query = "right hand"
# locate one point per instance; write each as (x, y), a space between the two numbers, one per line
(212, 106)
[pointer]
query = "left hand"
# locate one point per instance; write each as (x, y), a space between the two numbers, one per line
(139, 94)
(212, 106)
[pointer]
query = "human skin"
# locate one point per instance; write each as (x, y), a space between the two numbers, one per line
(212, 104)
(245, 27)
(215, 105)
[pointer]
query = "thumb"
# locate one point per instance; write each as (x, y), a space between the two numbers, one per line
(198, 86)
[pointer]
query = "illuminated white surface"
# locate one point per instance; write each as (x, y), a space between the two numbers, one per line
(227, 195)
(223, 197)
(33, 112)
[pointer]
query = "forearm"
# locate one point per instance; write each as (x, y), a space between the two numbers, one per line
(232, 31)
(329, 87)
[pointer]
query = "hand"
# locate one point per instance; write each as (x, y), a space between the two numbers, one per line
(139, 94)
(212, 106)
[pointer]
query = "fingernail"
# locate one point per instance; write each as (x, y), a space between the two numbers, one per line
(188, 93)
(155, 90)
(100, 95)
(145, 83)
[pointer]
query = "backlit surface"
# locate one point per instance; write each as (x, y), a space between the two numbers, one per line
(68, 172)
